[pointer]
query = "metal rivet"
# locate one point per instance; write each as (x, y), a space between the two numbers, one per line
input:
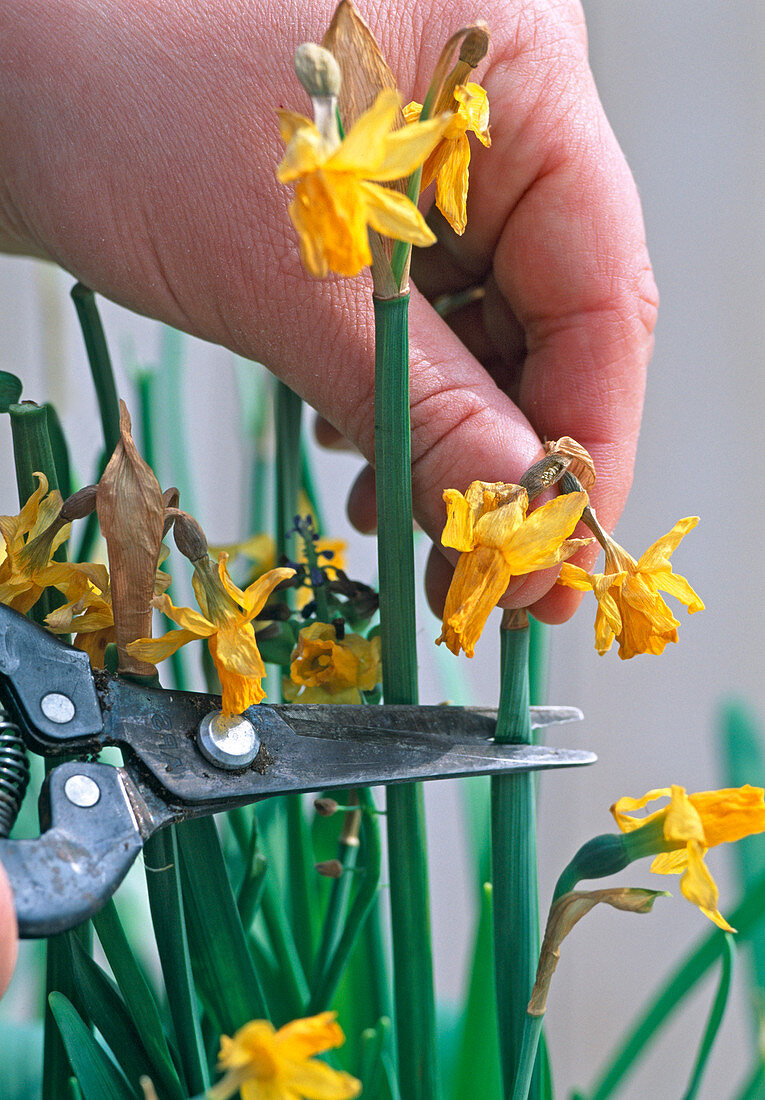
(57, 707)
(81, 790)
(228, 742)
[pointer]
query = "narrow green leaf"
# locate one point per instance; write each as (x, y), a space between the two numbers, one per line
(754, 1086)
(75, 1092)
(163, 882)
(100, 363)
(60, 451)
(715, 1018)
(136, 991)
(96, 1074)
(477, 1069)
(220, 958)
(10, 390)
(293, 979)
(107, 1009)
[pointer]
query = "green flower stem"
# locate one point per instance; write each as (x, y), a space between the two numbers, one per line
(746, 919)
(413, 964)
(366, 894)
(288, 414)
(32, 452)
(340, 892)
(532, 1031)
(715, 1018)
(100, 363)
(160, 855)
(514, 862)
(284, 947)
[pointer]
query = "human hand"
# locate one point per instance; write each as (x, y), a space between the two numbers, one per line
(8, 932)
(137, 149)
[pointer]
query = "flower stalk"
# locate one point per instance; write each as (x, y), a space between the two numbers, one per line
(413, 966)
(513, 856)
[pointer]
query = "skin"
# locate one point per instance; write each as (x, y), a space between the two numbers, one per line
(138, 144)
(8, 937)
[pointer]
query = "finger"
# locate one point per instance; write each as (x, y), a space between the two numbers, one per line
(8, 932)
(328, 436)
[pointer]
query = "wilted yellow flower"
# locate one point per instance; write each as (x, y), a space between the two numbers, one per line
(449, 162)
(328, 669)
(498, 541)
(265, 1064)
(335, 198)
(88, 612)
(226, 623)
(31, 539)
(686, 828)
(630, 608)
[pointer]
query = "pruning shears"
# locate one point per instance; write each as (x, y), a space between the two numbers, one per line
(184, 759)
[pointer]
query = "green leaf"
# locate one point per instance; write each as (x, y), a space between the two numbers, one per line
(220, 958)
(715, 1019)
(10, 390)
(477, 1070)
(168, 918)
(136, 991)
(97, 1075)
(107, 1009)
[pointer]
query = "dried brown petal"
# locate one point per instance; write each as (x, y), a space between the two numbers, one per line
(515, 618)
(365, 73)
(567, 911)
(131, 514)
(581, 465)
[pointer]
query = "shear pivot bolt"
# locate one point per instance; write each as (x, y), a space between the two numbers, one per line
(57, 707)
(228, 742)
(81, 790)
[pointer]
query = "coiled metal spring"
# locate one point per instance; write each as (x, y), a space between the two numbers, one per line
(14, 772)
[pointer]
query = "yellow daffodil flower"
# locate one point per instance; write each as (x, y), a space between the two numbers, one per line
(88, 613)
(630, 608)
(449, 162)
(337, 189)
(266, 1064)
(31, 539)
(687, 827)
(325, 669)
(329, 565)
(498, 540)
(226, 623)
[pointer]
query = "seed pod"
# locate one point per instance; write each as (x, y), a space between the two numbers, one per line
(79, 504)
(317, 70)
(189, 536)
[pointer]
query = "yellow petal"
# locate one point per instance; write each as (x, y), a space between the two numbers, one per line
(657, 555)
(677, 586)
(458, 531)
(474, 107)
(683, 821)
(255, 595)
(331, 219)
(320, 1081)
(406, 149)
(731, 813)
(479, 581)
(699, 887)
(539, 542)
(154, 650)
(394, 215)
(412, 111)
(362, 151)
(310, 1035)
(452, 184)
(626, 805)
(190, 620)
(305, 153)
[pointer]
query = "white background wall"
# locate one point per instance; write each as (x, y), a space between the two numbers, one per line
(682, 84)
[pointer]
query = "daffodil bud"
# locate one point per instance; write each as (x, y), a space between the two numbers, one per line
(317, 71)
(189, 536)
(544, 473)
(475, 45)
(79, 504)
(325, 807)
(330, 868)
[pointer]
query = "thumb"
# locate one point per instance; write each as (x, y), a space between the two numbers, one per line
(8, 932)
